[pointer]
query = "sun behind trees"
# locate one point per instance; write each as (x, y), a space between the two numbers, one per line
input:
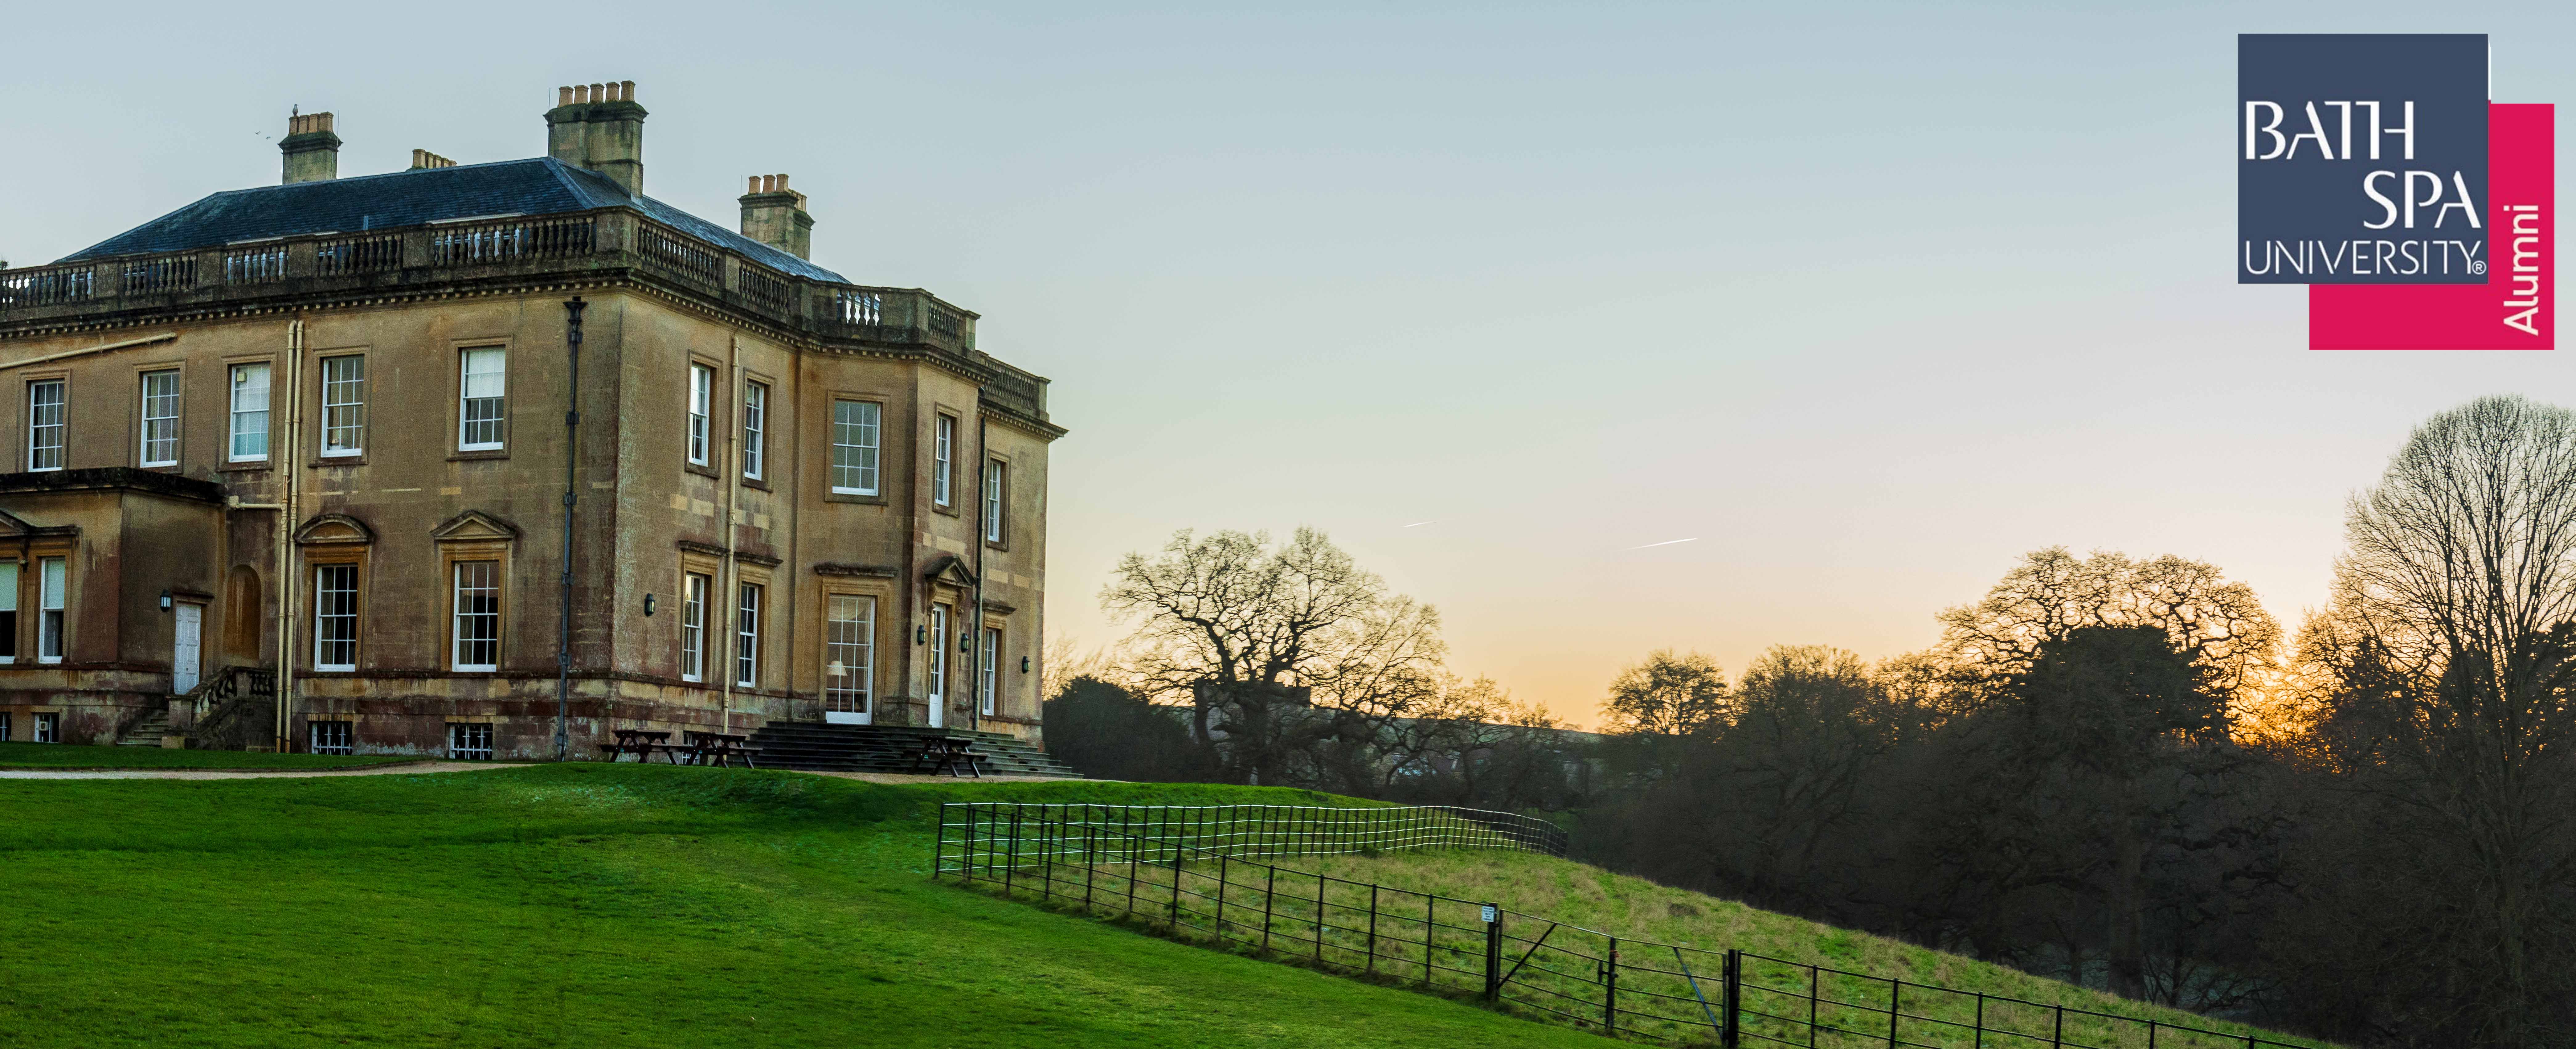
(2107, 770)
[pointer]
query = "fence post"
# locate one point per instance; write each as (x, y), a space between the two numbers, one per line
(1224, 871)
(1895, 998)
(1176, 892)
(1815, 991)
(1610, 991)
(1090, 855)
(2058, 1040)
(1046, 851)
(1732, 998)
(1011, 865)
(939, 845)
(1319, 919)
(1493, 954)
(1430, 931)
(1372, 933)
(1132, 852)
(1981, 1021)
(1270, 893)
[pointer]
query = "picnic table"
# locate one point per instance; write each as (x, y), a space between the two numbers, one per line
(947, 753)
(639, 742)
(721, 749)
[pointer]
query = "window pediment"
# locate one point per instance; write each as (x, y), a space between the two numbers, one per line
(475, 526)
(335, 530)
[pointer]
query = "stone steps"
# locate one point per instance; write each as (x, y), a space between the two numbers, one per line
(890, 748)
(147, 732)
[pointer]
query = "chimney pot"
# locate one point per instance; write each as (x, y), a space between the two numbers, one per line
(563, 96)
(312, 151)
(774, 215)
(601, 129)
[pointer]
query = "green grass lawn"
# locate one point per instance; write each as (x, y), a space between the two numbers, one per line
(606, 905)
(64, 756)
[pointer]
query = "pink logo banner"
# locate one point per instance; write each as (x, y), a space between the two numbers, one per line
(2514, 309)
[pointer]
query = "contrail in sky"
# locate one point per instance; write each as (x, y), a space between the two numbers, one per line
(1418, 524)
(1667, 542)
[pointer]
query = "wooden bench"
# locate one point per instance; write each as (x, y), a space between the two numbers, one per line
(947, 753)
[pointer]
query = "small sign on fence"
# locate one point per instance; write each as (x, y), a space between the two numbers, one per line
(1489, 914)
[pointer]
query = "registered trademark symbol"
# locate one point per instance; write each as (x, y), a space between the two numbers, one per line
(2477, 267)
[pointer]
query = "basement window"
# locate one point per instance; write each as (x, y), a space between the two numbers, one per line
(330, 737)
(469, 741)
(49, 728)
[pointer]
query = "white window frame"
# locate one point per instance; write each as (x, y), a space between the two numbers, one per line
(323, 619)
(344, 420)
(986, 672)
(943, 459)
(53, 616)
(39, 430)
(499, 420)
(702, 381)
(746, 640)
(859, 440)
(169, 399)
(995, 471)
(315, 730)
(49, 727)
(458, 616)
(853, 640)
(9, 603)
(238, 394)
(693, 626)
(462, 737)
(755, 418)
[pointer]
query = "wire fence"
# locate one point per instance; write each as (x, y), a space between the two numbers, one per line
(1191, 870)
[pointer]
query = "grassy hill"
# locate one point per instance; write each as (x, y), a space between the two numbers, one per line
(599, 905)
(1635, 908)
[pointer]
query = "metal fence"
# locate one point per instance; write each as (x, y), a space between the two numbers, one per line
(1190, 870)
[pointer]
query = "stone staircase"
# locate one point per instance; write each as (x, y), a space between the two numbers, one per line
(815, 747)
(147, 731)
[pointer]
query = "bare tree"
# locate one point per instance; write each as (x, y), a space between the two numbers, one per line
(1255, 634)
(2450, 653)
(1666, 694)
(2220, 626)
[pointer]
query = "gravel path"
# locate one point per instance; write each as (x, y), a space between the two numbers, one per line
(375, 770)
(412, 768)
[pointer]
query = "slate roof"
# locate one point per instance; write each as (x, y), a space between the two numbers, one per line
(541, 186)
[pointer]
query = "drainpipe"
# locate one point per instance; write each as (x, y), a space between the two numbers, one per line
(975, 640)
(281, 456)
(572, 476)
(730, 578)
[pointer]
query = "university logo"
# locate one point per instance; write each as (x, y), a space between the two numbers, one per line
(2374, 169)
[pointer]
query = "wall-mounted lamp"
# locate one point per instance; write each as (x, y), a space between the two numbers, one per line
(165, 600)
(965, 641)
(1024, 664)
(921, 635)
(648, 606)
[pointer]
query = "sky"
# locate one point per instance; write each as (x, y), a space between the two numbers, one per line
(1864, 300)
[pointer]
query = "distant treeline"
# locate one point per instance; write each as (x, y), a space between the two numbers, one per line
(2115, 771)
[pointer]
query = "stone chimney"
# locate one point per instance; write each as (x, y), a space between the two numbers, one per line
(312, 151)
(775, 215)
(599, 126)
(422, 159)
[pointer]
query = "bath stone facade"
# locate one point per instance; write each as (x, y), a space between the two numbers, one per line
(289, 467)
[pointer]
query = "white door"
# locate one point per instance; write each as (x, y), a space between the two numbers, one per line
(183, 653)
(938, 666)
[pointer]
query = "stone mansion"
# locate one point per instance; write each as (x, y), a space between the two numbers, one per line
(292, 467)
